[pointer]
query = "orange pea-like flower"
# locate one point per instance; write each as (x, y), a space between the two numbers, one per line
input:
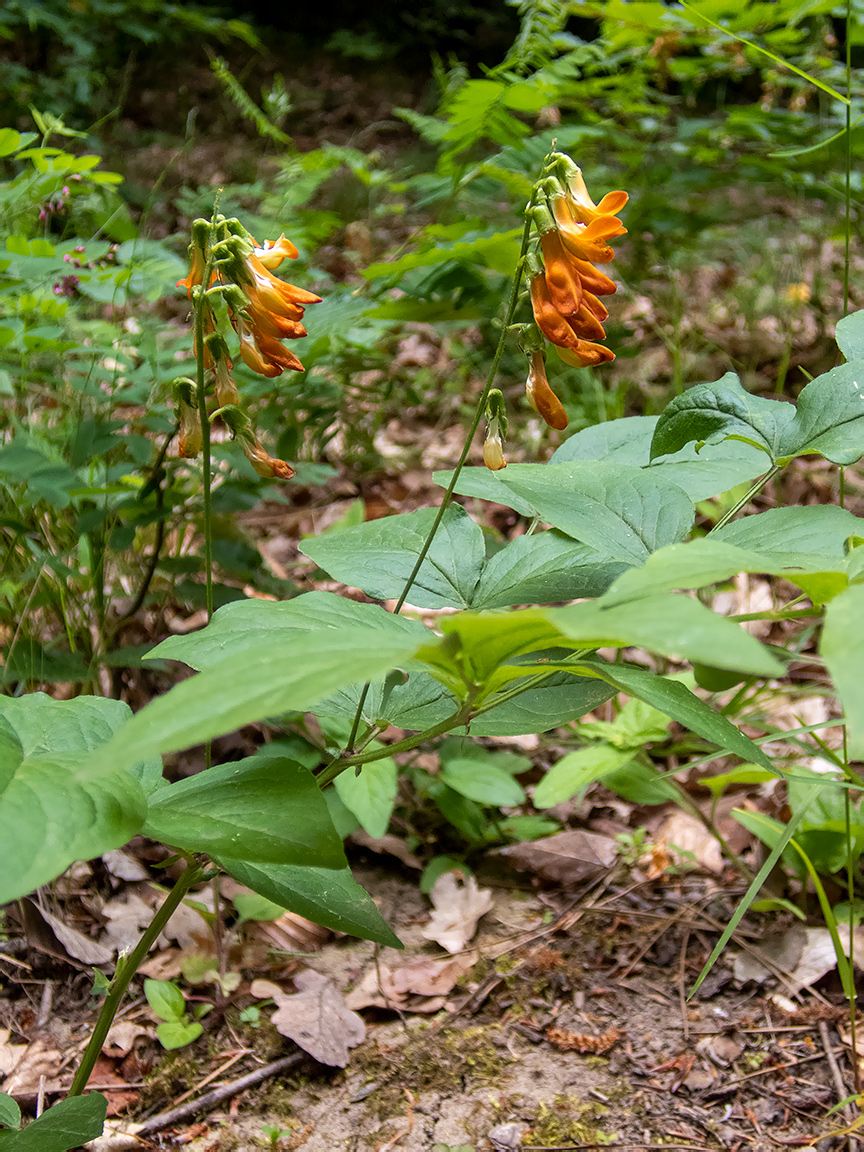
(493, 452)
(272, 252)
(541, 397)
(582, 207)
(586, 241)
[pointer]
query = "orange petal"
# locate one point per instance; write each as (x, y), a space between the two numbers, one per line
(586, 355)
(562, 280)
(541, 397)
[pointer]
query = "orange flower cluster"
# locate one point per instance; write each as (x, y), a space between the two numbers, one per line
(262, 310)
(574, 234)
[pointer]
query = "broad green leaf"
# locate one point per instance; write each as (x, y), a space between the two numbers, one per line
(379, 556)
(669, 624)
(424, 701)
(543, 569)
(45, 727)
(640, 784)
(57, 803)
(679, 703)
(251, 906)
(625, 513)
(829, 418)
(712, 412)
(819, 530)
(175, 1034)
(268, 809)
(478, 642)
(745, 774)
(635, 725)
(714, 469)
(10, 1113)
(370, 793)
(486, 485)
(842, 648)
(275, 676)
(67, 1125)
(561, 698)
(256, 624)
(576, 771)
(165, 999)
(327, 896)
(465, 815)
(850, 335)
(484, 782)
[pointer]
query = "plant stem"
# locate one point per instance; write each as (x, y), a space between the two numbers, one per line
(127, 966)
(747, 497)
(451, 487)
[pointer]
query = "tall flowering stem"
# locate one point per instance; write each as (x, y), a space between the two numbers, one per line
(235, 294)
(566, 303)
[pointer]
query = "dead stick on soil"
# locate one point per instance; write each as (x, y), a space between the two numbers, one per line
(636, 1147)
(771, 1068)
(214, 1075)
(165, 1119)
(837, 1077)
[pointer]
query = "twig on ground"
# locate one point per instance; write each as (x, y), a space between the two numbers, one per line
(837, 1076)
(166, 1119)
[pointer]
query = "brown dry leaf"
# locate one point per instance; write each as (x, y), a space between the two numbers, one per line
(166, 965)
(567, 857)
(683, 831)
(49, 934)
(317, 1019)
(720, 1050)
(124, 866)
(290, 933)
(421, 985)
(119, 1095)
(10, 1054)
(388, 844)
(118, 1136)
(427, 977)
(39, 1060)
(458, 904)
(804, 954)
(376, 990)
(130, 913)
(122, 1036)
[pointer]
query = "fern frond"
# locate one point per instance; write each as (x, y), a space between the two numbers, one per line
(244, 103)
(541, 21)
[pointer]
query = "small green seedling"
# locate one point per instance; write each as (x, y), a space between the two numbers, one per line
(274, 1135)
(167, 1001)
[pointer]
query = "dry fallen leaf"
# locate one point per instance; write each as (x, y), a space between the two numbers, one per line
(10, 1054)
(387, 844)
(458, 907)
(124, 866)
(317, 1019)
(128, 914)
(418, 986)
(682, 831)
(804, 954)
(567, 857)
(39, 1060)
(49, 934)
(118, 1136)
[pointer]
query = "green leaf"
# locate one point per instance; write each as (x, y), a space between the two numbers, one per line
(829, 418)
(745, 774)
(10, 1113)
(543, 569)
(820, 530)
(484, 782)
(278, 676)
(849, 334)
(624, 513)
(57, 805)
(165, 999)
(711, 471)
(669, 624)
(370, 793)
(65, 1126)
(269, 809)
(575, 771)
(679, 703)
(249, 625)
(712, 412)
(251, 906)
(498, 250)
(640, 784)
(327, 896)
(379, 556)
(45, 726)
(561, 698)
(842, 648)
(176, 1034)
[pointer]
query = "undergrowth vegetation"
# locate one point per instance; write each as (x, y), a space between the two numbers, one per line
(723, 440)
